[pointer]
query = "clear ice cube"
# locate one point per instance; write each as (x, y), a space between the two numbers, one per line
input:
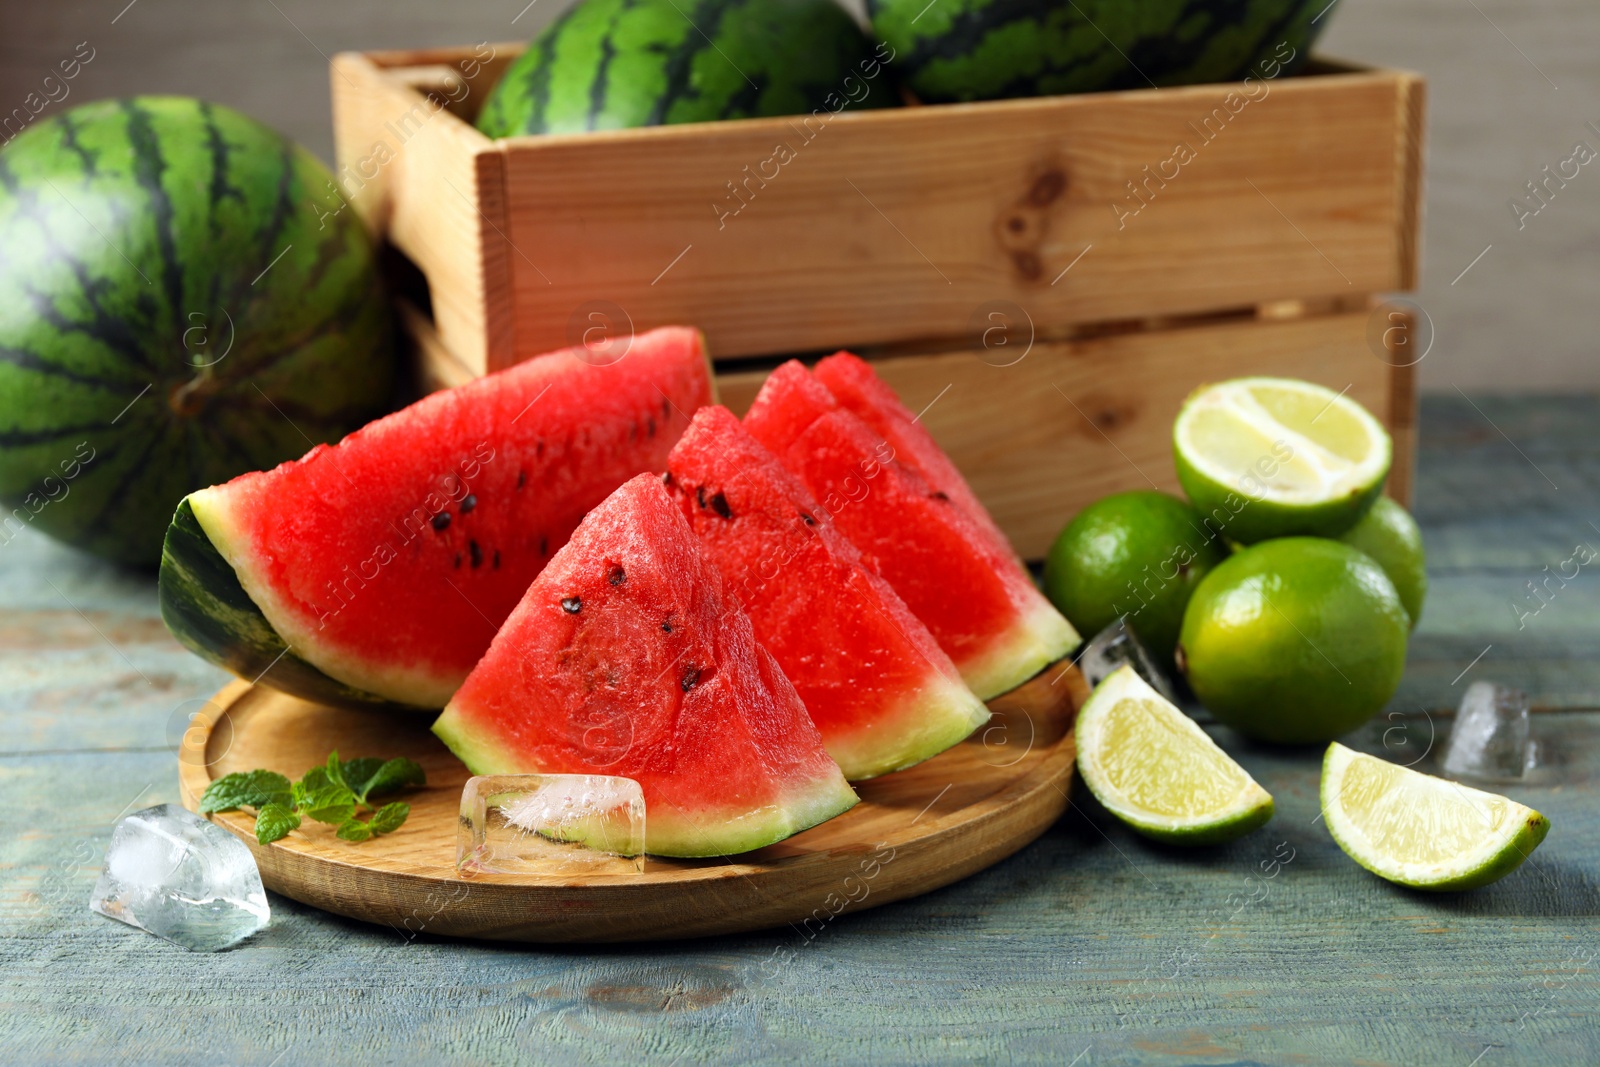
(1490, 737)
(550, 824)
(175, 875)
(1116, 645)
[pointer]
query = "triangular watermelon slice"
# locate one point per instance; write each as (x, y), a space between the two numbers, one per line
(626, 658)
(380, 568)
(857, 387)
(968, 590)
(874, 680)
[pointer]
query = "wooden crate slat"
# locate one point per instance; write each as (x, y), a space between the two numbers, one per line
(893, 226)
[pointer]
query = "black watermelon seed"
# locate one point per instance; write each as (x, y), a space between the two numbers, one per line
(458, 561)
(719, 504)
(495, 560)
(650, 426)
(808, 519)
(666, 408)
(477, 554)
(441, 521)
(691, 677)
(700, 495)
(571, 605)
(667, 626)
(666, 479)
(544, 545)
(617, 576)
(469, 503)
(940, 496)
(538, 450)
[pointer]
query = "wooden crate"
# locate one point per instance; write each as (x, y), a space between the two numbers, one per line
(1051, 275)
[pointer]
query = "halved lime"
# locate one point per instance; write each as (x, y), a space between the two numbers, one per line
(1157, 771)
(1420, 831)
(1274, 457)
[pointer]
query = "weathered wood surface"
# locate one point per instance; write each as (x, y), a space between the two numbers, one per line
(1089, 944)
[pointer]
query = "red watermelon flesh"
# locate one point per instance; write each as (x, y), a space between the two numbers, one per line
(626, 657)
(874, 680)
(389, 560)
(974, 596)
(857, 387)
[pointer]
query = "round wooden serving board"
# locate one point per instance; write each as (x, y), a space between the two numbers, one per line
(913, 832)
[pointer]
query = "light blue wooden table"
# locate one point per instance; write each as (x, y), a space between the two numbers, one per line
(1092, 946)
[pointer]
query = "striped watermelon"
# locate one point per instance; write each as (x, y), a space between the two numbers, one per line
(993, 49)
(615, 64)
(182, 299)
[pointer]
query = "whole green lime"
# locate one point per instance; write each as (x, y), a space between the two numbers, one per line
(1295, 641)
(1136, 554)
(1391, 536)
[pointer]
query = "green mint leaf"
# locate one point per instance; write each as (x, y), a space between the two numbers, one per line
(333, 771)
(253, 789)
(395, 774)
(330, 804)
(390, 817)
(297, 795)
(274, 821)
(355, 830)
(316, 780)
(358, 772)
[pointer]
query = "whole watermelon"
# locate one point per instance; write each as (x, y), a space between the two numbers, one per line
(992, 49)
(615, 64)
(184, 296)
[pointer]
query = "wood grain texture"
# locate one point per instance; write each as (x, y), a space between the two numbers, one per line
(1089, 939)
(778, 235)
(912, 832)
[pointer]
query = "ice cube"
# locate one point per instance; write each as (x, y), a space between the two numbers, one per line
(174, 874)
(1116, 645)
(1490, 737)
(550, 824)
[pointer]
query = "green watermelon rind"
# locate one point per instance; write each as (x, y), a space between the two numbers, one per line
(1040, 639)
(208, 611)
(618, 64)
(937, 716)
(712, 834)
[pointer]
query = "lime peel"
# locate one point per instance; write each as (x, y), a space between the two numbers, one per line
(1152, 767)
(1420, 831)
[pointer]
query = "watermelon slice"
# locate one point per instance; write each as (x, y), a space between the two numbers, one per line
(627, 658)
(967, 589)
(875, 682)
(380, 568)
(857, 387)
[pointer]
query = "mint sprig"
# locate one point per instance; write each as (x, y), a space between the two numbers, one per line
(331, 793)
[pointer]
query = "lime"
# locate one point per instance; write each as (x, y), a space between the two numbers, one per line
(1390, 535)
(1421, 831)
(1294, 641)
(1275, 457)
(1154, 769)
(1138, 555)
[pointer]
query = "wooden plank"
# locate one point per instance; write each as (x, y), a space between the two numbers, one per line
(1043, 435)
(431, 183)
(897, 225)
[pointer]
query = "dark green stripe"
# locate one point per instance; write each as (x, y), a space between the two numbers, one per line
(209, 612)
(148, 165)
(30, 361)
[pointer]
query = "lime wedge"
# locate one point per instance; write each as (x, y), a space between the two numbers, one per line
(1275, 457)
(1154, 769)
(1420, 831)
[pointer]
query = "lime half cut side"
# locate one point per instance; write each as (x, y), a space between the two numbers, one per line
(1276, 457)
(1153, 768)
(1420, 831)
